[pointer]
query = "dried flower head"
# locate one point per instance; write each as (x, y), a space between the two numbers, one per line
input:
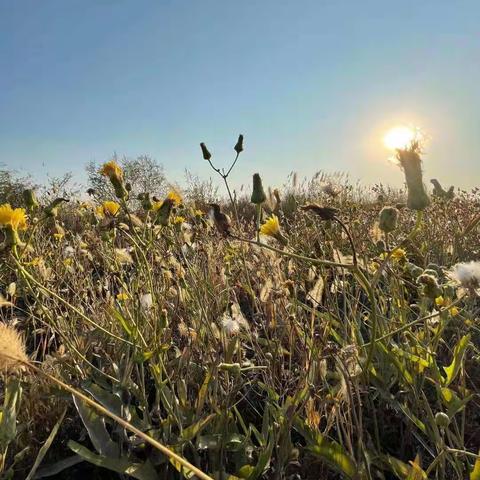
(387, 221)
(12, 349)
(411, 163)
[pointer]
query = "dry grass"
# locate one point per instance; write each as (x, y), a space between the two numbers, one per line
(249, 360)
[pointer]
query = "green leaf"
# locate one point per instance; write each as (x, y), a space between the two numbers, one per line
(451, 400)
(332, 452)
(140, 471)
(43, 451)
(192, 431)
(8, 419)
(399, 468)
(123, 322)
(457, 362)
(95, 425)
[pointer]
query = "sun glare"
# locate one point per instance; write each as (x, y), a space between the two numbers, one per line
(399, 137)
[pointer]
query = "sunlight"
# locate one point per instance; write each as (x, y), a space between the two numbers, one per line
(399, 137)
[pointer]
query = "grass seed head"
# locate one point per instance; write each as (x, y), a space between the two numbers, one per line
(12, 350)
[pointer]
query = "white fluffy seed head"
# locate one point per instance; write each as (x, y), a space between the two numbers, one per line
(466, 274)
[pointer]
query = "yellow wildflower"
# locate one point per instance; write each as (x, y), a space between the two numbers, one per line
(178, 220)
(156, 206)
(454, 311)
(271, 227)
(175, 196)
(15, 218)
(122, 296)
(110, 208)
(58, 236)
(439, 301)
(399, 254)
(111, 170)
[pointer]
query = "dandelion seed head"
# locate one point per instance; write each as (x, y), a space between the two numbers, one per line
(466, 274)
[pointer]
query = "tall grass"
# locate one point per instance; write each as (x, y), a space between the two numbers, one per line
(340, 349)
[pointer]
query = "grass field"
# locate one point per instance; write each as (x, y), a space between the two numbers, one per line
(320, 331)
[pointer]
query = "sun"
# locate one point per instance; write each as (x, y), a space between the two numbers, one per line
(399, 137)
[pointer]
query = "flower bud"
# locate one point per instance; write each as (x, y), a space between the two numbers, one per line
(442, 420)
(206, 154)
(119, 188)
(147, 204)
(239, 145)
(163, 214)
(431, 288)
(52, 209)
(388, 219)
(258, 194)
(30, 199)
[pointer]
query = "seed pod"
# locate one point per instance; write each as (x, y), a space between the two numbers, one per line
(388, 219)
(258, 194)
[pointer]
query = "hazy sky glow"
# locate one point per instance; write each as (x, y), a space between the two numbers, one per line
(312, 84)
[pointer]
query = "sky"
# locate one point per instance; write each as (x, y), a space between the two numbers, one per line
(312, 84)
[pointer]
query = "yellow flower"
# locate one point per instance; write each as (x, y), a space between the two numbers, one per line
(111, 170)
(454, 311)
(99, 211)
(178, 220)
(439, 301)
(58, 236)
(175, 196)
(271, 227)
(110, 208)
(68, 261)
(399, 254)
(122, 296)
(157, 206)
(15, 218)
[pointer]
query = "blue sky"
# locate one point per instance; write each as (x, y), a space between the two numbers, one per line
(312, 84)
